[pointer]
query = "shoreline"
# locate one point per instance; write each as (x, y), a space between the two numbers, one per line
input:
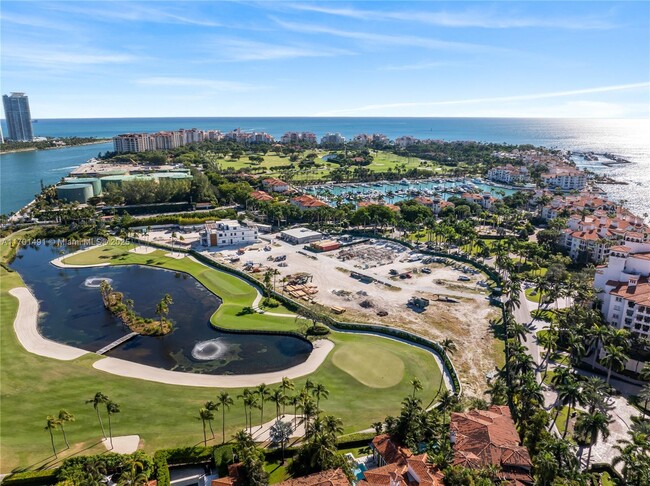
(33, 149)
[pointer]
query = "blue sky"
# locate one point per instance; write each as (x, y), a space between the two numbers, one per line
(79, 59)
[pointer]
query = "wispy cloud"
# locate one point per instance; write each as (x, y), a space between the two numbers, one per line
(387, 39)
(206, 84)
(481, 18)
(61, 56)
(419, 66)
(133, 12)
(35, 21)
(247, 50)
(526, 97)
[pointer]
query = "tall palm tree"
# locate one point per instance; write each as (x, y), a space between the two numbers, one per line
(263, 393)
(589, 425)
(332, 425)
(570, 394)
(614, 359)
(250, 402)
(416, 384)
(213, 407)
(277, 397)
(97, 400)
(51, 424)
(287, 384)
(309, 411)
(280, 433)
(205, 415)
(111, 409)
(320, 391)
(225, 401)
(244, 395)
(633, 454)
(65, 416)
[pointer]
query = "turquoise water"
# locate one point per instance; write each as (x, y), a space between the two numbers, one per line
(20, 174)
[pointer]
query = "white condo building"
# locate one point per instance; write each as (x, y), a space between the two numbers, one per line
(624, 288)
(566, 178)
(508, 174)
(228, 232)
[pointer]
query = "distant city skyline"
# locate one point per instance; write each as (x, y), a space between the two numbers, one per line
(391, 59)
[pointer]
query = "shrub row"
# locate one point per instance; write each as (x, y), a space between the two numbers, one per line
(32, 478)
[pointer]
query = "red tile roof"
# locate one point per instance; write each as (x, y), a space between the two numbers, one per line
(307, 201)
(489, 437)
(639, 294)
(261, 196)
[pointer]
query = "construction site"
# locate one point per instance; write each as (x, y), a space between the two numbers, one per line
(383, 282)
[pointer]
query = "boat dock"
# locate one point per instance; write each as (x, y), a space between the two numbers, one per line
(117, 342)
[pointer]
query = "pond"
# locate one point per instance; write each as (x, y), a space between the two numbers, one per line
(71, 312)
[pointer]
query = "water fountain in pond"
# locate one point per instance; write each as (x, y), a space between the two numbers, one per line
(96, 282)
(209, 350)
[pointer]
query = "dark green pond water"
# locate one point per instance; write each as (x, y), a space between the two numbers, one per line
(71, 312)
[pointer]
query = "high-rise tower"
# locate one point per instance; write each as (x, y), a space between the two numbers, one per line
(19, 119)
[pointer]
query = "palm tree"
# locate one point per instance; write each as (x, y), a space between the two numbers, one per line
(287, 384)
(570, 394)
(644, 395)
(378, 427)
(614, 359)
(263, 392)
(296, 401)
(97, 400)
(589, 425)
(280, 433)
(225, 401)
(633, 453)
(244, 396)
(277, 397)
(51, 424)
(309, 411)
(132, 473)
(250, 402)
(205, 415)
(213, 407)
(65, 416)
(416, 384)
(111, 408)
(332, 425)
(320, 391)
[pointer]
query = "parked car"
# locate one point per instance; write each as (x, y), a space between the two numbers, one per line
(464, 278)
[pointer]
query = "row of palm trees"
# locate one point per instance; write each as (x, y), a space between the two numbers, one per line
(55, 422)
(307, 400)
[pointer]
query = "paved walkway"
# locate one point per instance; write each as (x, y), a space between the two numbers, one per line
(26, 329)
(121, 367)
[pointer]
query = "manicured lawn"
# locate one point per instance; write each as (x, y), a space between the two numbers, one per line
(277, 472)
(165, 415)
(544, 315)
(533, 298)
(560, 423)
(360, 361)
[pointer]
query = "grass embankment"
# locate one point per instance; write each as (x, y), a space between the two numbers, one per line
(532, 295)
(166, 415)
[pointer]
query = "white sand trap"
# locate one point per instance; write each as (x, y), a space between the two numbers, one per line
(142, 250)
(176, 255)
(125, 444)
(26, 329)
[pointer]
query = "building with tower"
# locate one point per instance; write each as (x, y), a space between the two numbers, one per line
(18, 116)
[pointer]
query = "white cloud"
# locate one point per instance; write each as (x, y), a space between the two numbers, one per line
(133, 12)
(468, 18)
(389, 107)
(387, 39)
(61, 57)
(418, 66)
(209, 84)
(245, 50)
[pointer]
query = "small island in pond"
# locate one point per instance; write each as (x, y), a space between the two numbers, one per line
(115, 303)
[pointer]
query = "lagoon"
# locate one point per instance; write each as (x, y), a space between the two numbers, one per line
(72, 312)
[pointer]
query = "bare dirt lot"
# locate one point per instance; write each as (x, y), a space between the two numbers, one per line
(368, 281)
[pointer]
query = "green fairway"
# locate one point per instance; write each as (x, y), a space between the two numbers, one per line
(166, 415)
(360, 360)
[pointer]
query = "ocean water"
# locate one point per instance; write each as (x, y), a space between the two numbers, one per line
(20, 173)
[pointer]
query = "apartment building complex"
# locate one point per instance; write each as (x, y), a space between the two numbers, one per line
(18, 117)
(299, 137)
(508, 174)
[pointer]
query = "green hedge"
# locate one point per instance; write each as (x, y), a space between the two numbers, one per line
(45, 477)
(161, 468)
